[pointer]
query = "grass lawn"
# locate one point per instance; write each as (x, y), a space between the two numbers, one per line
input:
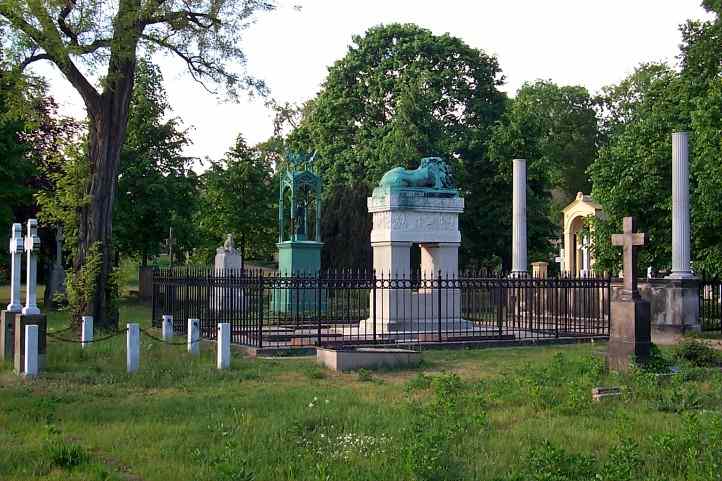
(500, 414)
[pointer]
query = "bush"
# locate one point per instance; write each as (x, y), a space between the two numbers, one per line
(65, 455)
(697, 353)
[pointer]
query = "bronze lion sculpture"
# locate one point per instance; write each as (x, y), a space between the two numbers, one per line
(432, 172)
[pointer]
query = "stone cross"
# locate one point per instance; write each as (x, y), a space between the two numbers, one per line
(16, 259)
(32, 247)
(631, 241)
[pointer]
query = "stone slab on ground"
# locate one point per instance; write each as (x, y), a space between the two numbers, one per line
(341, 360)
(602, 393)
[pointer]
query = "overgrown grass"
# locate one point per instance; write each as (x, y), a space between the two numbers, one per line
(498, 414)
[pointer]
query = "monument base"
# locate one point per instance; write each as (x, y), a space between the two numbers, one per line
(630, 337)
(7, 336)
(19, 349)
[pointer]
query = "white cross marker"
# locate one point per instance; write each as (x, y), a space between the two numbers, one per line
(16, 262)
(32, 246)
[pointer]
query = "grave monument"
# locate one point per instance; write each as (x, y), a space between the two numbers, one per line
(228, 262)
(8, 315)
(299, 252)
(631, 329)
(422, 207)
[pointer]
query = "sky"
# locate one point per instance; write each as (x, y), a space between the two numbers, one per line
(571, 42)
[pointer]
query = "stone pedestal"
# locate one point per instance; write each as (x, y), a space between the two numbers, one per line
(298, 258)
(403, 216)
(19, 349)
(674, 303)
(228, 261)
(145, 283)
(630, 333)
(7, 335)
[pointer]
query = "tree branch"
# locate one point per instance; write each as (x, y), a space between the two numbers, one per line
(190, 16)
(34, 58)
(69, 5)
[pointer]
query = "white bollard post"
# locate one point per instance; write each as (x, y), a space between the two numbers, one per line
(31, 350)
(167, 328)
(86, 335)
(223, 345)
(194, 332)
(133, 347)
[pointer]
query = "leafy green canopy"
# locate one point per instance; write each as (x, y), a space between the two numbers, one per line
(632, 175)
(399, 94)
(555, 129)
(237, 197)
(156, 187)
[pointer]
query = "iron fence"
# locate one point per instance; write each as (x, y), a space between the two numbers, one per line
(362, 308)
(710, 304)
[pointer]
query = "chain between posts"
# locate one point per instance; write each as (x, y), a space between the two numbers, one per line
(156, 338)
(54, 335)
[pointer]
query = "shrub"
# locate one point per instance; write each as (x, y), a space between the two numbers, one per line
(65, 455)
(697, 353)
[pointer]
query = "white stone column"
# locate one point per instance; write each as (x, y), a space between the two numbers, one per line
(30, 369)
(32, 246)
(680, 207)
(167, 327)
(132, 347)
(16, 265)
(86, 334)
(194, 332)
(518, 233)
(223, 346)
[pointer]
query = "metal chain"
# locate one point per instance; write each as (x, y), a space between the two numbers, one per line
(156, 338)
(76, 341)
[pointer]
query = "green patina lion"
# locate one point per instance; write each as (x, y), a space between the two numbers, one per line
(432, 172)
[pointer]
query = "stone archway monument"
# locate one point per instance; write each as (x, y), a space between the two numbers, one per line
(419, 207)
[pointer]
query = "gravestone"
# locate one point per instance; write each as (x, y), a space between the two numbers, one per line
(8, 315)
(56, 281)
(228, 262)
(630, 331)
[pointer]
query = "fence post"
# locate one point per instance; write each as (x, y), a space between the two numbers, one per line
(260, 309)
(373, 304)
(167, 327)
(223, 346)
(318, 306)
(193, 336)
(132, 347)
(439, 306)
(86, 335)
(31, 351)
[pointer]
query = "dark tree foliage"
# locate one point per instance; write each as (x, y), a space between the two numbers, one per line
(238, 197)
(632, 175)
(106, 36)
(157, 189)
(399, 94)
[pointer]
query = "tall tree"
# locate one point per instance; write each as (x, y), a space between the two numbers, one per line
(237, 198)
(204, 34)
(156, 187)
(400, 93)
(555, 129)
(632, 175)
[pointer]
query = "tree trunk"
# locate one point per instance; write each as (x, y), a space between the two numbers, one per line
(107, 126)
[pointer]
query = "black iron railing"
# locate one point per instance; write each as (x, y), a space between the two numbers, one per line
(357, 308)
(710, 304)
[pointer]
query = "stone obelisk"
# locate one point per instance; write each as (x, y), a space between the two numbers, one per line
(518, 233)
(680, 207)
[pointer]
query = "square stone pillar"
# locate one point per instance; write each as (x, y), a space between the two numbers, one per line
(19, 349)
(630, 335)
(392, 259)
(442, 257)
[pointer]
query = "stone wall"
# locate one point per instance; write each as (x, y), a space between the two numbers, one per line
(674, 303)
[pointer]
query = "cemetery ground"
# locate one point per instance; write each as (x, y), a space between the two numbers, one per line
(521, 413)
